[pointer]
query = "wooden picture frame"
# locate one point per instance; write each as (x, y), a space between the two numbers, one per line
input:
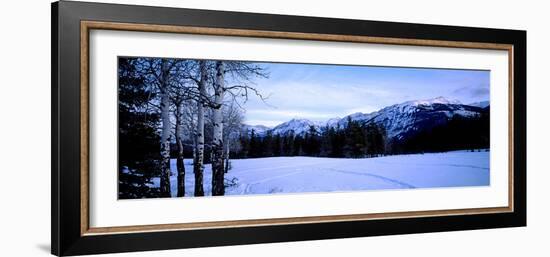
(71, 25)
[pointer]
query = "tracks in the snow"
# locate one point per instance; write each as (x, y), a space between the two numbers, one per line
(386, 179)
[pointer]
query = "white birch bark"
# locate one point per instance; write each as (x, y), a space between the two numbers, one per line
(198, 166)
(165, 135)
(226, 168)
(179, 143)
(218, 171)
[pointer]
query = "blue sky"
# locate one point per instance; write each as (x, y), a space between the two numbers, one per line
(320, 92)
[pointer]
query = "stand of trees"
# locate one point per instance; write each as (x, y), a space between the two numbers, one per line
(459, 133)
(355, 140)
(173, 108)
(136, 124)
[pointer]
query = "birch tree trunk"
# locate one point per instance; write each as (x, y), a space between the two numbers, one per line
(179, 143)
(218, 171)
(198, 164)
(165, 135)
(226, 168)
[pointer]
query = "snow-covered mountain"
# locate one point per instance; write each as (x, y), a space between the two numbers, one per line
(399, 120)
(296, 126)
(258, 129)
(332, 122)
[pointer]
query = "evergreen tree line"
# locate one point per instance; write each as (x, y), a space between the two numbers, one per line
(459, 133)
(355, 140)
(360, 140)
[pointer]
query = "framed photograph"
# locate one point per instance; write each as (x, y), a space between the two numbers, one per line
(178, 128)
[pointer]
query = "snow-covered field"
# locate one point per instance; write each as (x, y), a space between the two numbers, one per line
(312, 174)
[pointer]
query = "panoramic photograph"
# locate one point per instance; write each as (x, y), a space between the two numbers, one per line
(193, 128)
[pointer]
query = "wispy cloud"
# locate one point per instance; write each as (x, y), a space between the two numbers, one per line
(478, 91)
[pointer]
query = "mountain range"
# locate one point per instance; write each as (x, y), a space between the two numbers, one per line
(399, 120)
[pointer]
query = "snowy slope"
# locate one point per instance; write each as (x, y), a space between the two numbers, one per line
(401, 120)
(313, 174)
(296, 126)
(332, 122)
(258, 129)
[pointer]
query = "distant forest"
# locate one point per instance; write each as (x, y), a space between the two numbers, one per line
(358, 140)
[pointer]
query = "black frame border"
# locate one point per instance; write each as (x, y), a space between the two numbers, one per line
(66, 238)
